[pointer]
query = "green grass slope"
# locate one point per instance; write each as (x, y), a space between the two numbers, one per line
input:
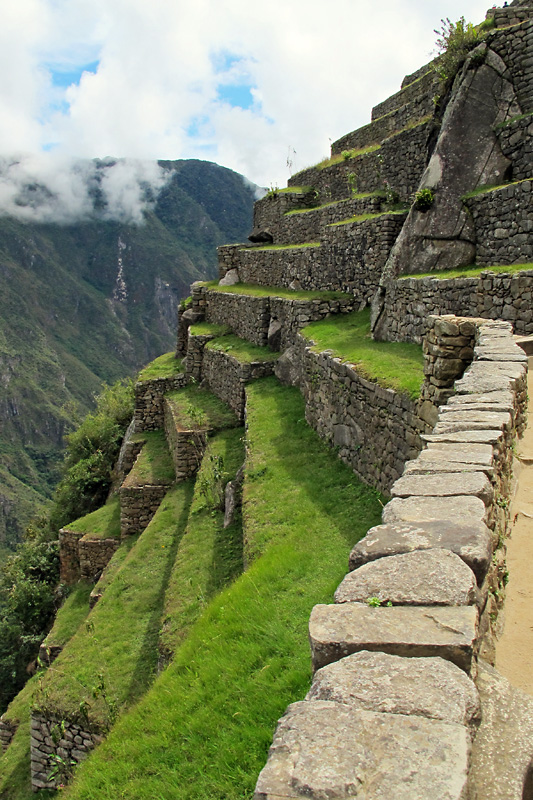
(203, 730)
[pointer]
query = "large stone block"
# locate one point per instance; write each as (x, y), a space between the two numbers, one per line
(474, 484)
(424, 687)
(423, 577)
(329, 751)
(336, 631)
(420, 509)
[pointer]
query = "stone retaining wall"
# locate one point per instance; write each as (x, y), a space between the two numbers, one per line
(503, 220)
(149, 401)
(350, 259)
(138, 504)
(69, 559)
(269, 210)
(421, 89)
(410, 618)
(245, 315)
(57, 747)
(383, 127)
(226, 377)
(514, 46)
(94, 555)
(335, 181)
(7, 731)
(516, 141)
(410, 301)
(186, 447)
(376, 430)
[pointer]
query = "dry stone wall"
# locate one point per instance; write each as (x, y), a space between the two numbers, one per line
(7, 731)
(515, 47)
(516, 141)
(94, 555)
(421, 89)
(138, 504)
(226, 377)
(395, 654)
(69, 558)
(57, 747)
(149, 415)
(410, 301)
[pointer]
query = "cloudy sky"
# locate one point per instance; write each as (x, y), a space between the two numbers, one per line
(249, 84)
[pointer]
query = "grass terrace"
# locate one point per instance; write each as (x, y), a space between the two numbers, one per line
(114, 564)
(104, 523)
(254, 290)
(346, 155)
(117, 647)
(209, 329)
(166, 366)
(243, 351)
(203, 730)
(472, 271)
(209, 556)
(365, 217)
(396, 365)
(198, 409)
(491, 188)
(286, 246)
(153, 465)
(71, 615)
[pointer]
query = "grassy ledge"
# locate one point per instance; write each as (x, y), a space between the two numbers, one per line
(365, 217)
(153, 465)
(117, 647)
(305, 245)
(254, 290)
(470, 272)
(395, 365)
(166, 366)
(104, 523)
(486, 188)
(71, 615)
(114, 564)
(242, 350)
(203, 730)
(209, 556)
(208, 329)
(199, 409)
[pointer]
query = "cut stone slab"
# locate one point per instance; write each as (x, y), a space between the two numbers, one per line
(460, 420)
(336, 631)
(424, 687)
(503, 751)
(329, 751)
(468, 453)
(423, 577)
(472, 543)
(464, 437)
(504, 399)
(452, 484)
(427, 467)
(420, 509)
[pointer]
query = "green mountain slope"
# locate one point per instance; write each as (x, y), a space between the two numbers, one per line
(92, 302)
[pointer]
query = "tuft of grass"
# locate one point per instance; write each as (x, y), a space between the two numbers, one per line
(396, 365)
(154, 464)
(166, 366)
(295, 190)
(209, 556)
(254, 290)
(472, 271)
(353, 153)
(365, 217)
(242, 350)
(203, 731)
(209, 329)
(104, 523)
(198, 409)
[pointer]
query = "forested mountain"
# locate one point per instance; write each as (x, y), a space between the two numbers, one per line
(93, 301)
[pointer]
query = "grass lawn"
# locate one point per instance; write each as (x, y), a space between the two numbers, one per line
(153, 465)
(208, 329)
(104, 523)
(198, 409)
(397, 365)
(254, 290)
(166, 366)
(243, 351)
(203, 730)
(71, 615)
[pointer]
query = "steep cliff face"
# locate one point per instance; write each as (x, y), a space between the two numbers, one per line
(93, 302)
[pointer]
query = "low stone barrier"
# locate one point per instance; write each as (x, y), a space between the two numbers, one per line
(57, 747)
(516, 141)
(7, 731)
(226, 377)
(69, 558)
(138, 504)
(149, 395)
(94, 555)
(186, 447)
(396, 655)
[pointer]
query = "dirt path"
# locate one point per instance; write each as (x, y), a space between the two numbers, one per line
(514, 649)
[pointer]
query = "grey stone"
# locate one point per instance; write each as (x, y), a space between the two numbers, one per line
(503, 751)
(465, 437)
(425, 687)
(461, 420)
(423, 577)
(329, 751)
(230, 278)
(504, 400)
(274, 334)
(427, 467)
(288, 367)
(451, 484)
(467, 453)
(420, 509)
(338, 630)
(470, 542)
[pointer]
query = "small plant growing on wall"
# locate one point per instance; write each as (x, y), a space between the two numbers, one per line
(454, 42)
(424, 199)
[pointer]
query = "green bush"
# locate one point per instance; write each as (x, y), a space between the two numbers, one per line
(454, 42)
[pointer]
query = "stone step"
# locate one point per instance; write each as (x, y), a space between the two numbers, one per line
(339, 630)
(323, 749)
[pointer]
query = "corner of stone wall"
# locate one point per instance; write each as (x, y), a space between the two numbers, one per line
(57, 747)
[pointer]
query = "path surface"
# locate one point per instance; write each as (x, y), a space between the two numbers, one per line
(514, 649)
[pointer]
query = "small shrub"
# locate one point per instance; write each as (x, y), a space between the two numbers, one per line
(346, 154)
(454, 42)
(424, 199)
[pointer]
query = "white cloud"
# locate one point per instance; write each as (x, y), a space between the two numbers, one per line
(314, 68)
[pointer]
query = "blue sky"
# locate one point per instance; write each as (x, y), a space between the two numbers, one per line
(239, 82)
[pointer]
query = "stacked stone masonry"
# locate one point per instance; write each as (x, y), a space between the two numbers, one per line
(379, 129)
(57, 746)
(149, 414)
(515, 47)
(7, 731)
(400, 665)
(186, 447)
(227, 377)
(94, 555)
(516, 141)
(422, 89)
(138, 505)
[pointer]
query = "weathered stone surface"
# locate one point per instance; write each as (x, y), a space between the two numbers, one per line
(470, 542)
(492, 401)
(425, 687)
(230, 278)
(503, 751)
(451, 484)
(329, 751)
(428, 467)
(465, 437)
(467, 453)
(420, 509)
(423, 577)
(336, 631)
(288, 367)
(460, 420)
